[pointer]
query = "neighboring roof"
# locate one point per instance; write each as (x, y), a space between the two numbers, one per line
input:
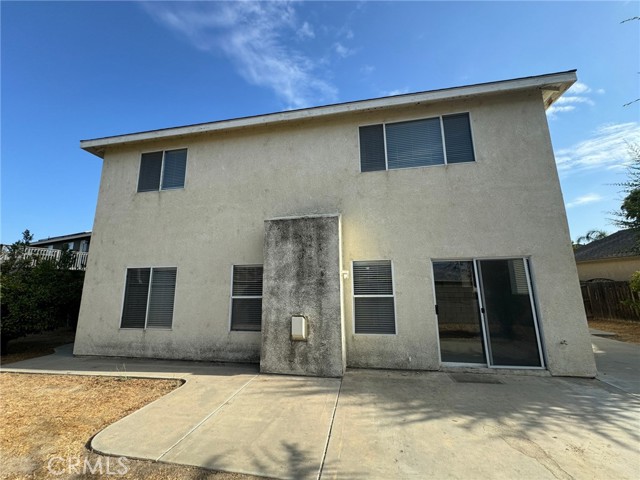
(552, 85)
(62, 238)
(617, 245)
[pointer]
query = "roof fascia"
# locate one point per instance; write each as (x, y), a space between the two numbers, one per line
(553, 86)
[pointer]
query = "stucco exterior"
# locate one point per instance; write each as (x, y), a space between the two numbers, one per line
(618, 269)
(507, 203)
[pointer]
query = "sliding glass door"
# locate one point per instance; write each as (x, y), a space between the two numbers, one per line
(458, 310)
(486, 313)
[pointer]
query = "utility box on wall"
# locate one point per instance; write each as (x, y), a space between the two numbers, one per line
(302, 324)
(298, 328)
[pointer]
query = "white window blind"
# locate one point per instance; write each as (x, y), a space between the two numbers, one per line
(374, 302)
(246, 298)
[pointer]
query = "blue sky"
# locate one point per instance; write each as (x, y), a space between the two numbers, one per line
(80, 70)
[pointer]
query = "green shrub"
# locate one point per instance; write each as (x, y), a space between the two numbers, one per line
(37, 295)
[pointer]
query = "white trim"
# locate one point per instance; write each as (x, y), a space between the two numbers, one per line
(435, 304)
(231, 297)
(473, 142)
(393, 295)
(164, 154)
(534, 312)
(146, 313)
(559, 83)
(386, 153)
(486, 334)
(444, 141)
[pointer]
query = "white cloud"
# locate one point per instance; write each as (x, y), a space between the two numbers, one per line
(251, 35)
(606, 149)
(578, 88)
(574, 96)
(397, 91)
(573, 99)
(585, 200)
(306, 31)
(367, 69)
(343, 51)
(553, 110)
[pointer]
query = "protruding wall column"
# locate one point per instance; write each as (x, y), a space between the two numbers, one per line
(302, 278)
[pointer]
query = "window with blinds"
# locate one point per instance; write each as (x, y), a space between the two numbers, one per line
(373, 297)
(246, 298)
(148, 298)
(162, 170)
(417, 143)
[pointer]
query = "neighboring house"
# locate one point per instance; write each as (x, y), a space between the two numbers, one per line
(51, 249)
(614, 257)
(422, 231)
(78, 242)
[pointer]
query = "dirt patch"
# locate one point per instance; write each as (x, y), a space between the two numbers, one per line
(626, 331)
(36, 345)
(45, 417)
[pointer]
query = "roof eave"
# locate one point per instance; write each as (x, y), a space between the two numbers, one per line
(552, 86)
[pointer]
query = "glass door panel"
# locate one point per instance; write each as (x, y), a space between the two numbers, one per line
(508, 314)
(459, 327)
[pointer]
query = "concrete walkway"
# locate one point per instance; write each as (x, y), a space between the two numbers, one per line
(618, 363)
(377, 424)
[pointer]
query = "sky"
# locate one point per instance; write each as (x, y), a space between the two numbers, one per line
(82, 70)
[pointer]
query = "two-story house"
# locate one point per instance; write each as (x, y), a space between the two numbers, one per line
(419, 231)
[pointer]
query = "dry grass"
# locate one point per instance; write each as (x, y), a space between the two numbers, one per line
(625, 330)
(45, 416)
(36, 345)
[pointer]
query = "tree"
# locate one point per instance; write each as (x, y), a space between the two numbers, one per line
(36, 294)
(589, 237)
(629, 215)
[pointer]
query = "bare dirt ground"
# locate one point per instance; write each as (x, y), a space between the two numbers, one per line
(625, 330)
(36, 345)
(51, 418)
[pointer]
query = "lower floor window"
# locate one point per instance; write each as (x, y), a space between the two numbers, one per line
(373, 297)
(149, 297)
(246, 298)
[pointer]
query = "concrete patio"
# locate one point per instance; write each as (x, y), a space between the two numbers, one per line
(379, 424)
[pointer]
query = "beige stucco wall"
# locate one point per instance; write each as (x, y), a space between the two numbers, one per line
(618, 269)
(507, 204)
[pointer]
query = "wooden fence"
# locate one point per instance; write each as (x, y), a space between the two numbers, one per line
(610, 300)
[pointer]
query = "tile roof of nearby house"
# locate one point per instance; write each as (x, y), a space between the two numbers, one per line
(617, 245)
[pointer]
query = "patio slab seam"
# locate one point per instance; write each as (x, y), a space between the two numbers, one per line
(211, 414)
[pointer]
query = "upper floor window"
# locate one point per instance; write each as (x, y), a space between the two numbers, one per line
(162, 170)
(416, 143)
